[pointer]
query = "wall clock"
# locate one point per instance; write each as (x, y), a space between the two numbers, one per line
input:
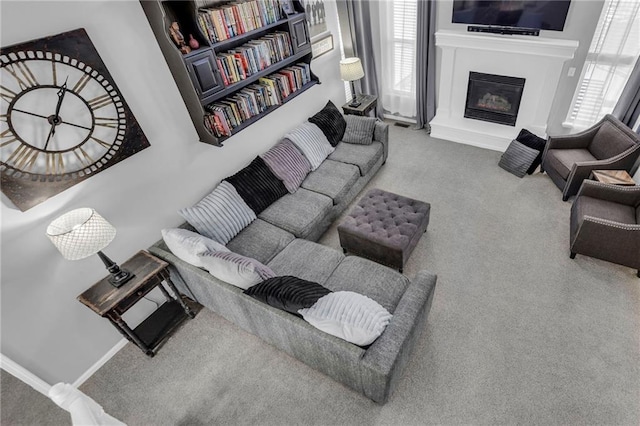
(63, 118)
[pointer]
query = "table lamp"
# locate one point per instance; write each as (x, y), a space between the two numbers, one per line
(351, 70)
(82, 232)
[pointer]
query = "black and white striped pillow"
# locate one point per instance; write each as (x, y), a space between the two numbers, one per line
(517, 158)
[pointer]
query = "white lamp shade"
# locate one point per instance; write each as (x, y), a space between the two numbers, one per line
(80, 233)
(351, 69)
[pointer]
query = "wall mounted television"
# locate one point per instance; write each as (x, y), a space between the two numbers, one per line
(538, 14)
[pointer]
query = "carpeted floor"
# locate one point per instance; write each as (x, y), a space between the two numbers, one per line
(518, 332)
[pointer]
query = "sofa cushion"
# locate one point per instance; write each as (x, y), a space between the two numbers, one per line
(333, 179)
(288, 164)
(261, 241)
(349, 316)
(331, 122)
(288, 293)
(188, 245)
(530, 140)
(221, 215)
(609, 141)
(380, 283)
(359, 129)
(306, 259)
(257, 185)
(311, 142)
(298, 213)
(562, 160)
(363, 156)
(235, 269)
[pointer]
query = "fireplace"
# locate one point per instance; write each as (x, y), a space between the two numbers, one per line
(493, 98)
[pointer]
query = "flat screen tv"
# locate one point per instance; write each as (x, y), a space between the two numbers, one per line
(538, 14)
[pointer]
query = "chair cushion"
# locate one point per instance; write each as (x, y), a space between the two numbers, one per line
(380, 283)
(221, 215)
(518, 158)
(363, 156)
(562, 160)
(261, 241)
(602, 209)
(333, 179)
(257, 185)
(298, 213)
(306, 259)
(331, 122)
(313, 144)
(609, 141)
(530, 140)
(288, 164)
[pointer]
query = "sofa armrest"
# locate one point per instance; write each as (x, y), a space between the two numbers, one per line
(627, 195)
(381, 134)
(384, 362)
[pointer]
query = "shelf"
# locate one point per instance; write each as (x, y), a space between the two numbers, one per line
(228, 43)
(228, 90)
(255, 118)
(159, 325)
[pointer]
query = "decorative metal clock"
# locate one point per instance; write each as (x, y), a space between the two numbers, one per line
(63, 118)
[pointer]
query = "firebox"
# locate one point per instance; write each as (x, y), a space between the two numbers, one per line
(493, 98)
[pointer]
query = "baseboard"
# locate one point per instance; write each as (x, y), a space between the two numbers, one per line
(95, 367)
(468, 137)
(24, 375)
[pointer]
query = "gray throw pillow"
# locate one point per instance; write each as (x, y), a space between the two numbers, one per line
(359, 129)
(238, 270)
(288, 164)
(517, 158)
(313, 144)
(220, 215)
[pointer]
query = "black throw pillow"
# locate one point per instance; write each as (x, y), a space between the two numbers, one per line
(530, 140)
(331, 122)
(257, 185)
(287, 293)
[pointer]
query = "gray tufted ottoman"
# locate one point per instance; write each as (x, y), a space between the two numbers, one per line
(384, 227)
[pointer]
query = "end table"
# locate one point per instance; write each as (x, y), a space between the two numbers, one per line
(111, 302)
(367, 104)
(616, 177)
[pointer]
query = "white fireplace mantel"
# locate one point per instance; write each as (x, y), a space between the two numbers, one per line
(538, 60)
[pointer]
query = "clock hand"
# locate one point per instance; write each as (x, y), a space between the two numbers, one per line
(42, 116)
(56, 116)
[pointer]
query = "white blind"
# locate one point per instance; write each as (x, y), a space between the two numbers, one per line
(398, 27)
(612, 55)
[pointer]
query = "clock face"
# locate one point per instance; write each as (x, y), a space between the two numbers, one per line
(63, 118)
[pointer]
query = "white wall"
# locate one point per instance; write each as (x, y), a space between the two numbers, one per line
(580, 25)
(44, 328)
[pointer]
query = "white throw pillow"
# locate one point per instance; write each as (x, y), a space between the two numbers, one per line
(311, 142)
(238, 270)
(349, 316)
(188, 245)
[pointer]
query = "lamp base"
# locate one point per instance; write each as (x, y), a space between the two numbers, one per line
(120, 278)
(355, 104)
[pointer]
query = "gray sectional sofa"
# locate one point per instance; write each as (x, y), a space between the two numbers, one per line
(282, 237)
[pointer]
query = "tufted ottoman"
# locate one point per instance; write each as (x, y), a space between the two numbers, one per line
(384, 227)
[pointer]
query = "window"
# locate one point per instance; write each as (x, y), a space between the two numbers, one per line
(398, 28)
(612, 55)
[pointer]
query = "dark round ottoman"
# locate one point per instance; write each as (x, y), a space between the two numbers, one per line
(384, 227)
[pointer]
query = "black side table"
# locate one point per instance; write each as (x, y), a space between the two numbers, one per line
(367, 104)
(111, 302)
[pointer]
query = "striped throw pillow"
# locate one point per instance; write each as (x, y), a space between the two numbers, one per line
(517, 158)
(221, 215)
(288, 293)
(359, 129)
(311, 142)
(349, 316)
(288, 164)
(257, 185)
(235, 269)
(331, 122)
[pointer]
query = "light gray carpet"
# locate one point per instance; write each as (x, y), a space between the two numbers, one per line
(518, 332)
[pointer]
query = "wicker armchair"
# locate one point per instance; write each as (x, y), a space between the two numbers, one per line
(608, 145)
(605, 223)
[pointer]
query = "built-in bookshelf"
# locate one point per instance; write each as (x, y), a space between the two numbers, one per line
(253, 56)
